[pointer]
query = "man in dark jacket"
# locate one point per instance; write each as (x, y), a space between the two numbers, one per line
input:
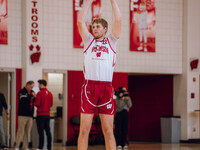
(43, 102)
(26, 97)
(3, 104)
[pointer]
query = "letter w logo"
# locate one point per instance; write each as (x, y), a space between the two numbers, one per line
(109, 106)
(194, 64)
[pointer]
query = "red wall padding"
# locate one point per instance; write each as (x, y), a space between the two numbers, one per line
(18, 87)
(152, 97)
(75, 82)
(120, 79)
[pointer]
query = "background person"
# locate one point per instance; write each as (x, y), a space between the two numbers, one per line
(3, 104)
(123, 102)
(43, 102)
(26, 98)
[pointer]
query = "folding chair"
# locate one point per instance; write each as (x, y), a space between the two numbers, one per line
(75, 121)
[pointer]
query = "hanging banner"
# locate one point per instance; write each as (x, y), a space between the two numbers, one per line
(3, 22)
(94, 12)
(142, 25)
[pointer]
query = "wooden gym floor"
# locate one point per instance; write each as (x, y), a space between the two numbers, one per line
(138, 146)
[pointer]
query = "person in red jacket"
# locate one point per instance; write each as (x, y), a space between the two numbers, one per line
(43, 102)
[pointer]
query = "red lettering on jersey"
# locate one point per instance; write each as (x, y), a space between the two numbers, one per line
(100, 49)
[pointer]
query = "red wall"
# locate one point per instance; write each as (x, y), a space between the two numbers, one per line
(75, 82)
(152, 97)
(18, 87)
(120, 79)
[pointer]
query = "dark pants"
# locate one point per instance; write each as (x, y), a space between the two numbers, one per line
(43, 125)
(121, 127)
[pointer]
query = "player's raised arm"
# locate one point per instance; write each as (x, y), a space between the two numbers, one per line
(82, 28)
(116, 29)
(138, 10)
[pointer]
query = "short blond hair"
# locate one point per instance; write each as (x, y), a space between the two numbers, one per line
(101, 21)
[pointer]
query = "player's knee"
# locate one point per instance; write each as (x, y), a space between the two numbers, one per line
(84, 132)
(108, 132)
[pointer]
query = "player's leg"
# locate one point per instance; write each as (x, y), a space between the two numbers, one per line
(141, 40)
(140, 28)
(85, 126)
(145, 31)
(107, 122)
(145, 40)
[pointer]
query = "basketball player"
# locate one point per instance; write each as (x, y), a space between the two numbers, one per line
(142, 11)
(99, 62)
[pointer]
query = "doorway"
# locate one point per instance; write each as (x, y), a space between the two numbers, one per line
(7, 88)
(152, 97)
(56, 84)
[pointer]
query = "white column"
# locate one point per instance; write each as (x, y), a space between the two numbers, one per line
(32, 26)
(193, 50)
(187, 84)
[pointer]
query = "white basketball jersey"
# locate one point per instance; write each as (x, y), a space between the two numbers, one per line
(143, 17)
(99, 59)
